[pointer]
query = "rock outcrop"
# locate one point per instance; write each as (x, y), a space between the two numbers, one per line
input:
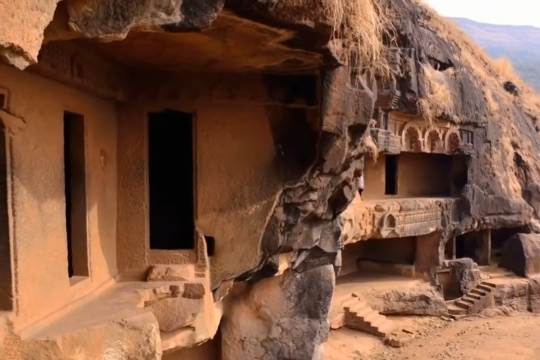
(135, 337)
(274, 318)
(415, 301)
(521, 254)
(366, 59)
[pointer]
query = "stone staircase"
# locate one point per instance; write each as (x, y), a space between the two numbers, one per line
(476, 300)
(360, 316)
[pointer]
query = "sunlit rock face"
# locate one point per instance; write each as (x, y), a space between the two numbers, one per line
(299, 108)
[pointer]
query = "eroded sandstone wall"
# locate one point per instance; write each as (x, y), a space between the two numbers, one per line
(38, 223)
(22, 27)
(440, 76)
(238, 171)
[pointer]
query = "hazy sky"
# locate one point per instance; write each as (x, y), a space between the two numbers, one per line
(511, 12)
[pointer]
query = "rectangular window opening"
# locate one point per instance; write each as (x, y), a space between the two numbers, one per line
(171, 180)
(75, 194)
(210, 245)
(6, 288)
(391, 171)
(3, 99)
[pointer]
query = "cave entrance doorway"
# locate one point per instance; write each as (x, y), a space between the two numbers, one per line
(391, 175)
(75, 195)
(171, 180)
(475, 245)
(499, 237)
(6, 288)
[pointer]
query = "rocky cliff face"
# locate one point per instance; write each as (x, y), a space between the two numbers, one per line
(433, 72)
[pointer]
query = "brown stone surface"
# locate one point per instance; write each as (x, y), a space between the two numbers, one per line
(37, 202)
(521, 254)
(170, 273)
(115, 18)
(284, 120)
(134, 337)
(21, 29)
(273, 319)
(193, 291)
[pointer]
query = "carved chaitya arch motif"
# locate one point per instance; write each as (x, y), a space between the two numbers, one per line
(437, 137)
(452, 141)
(433, 141)
(411, 138)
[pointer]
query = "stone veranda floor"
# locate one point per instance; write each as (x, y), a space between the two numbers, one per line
(513, 337)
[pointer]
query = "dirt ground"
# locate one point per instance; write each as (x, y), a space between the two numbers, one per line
(515, 337)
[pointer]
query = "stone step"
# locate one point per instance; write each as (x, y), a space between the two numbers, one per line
(468, 300)
(375, 320)
(383, 326)
(463, 304)
(455, 310)
(358, 307)
(489, 283)
(474, 296)
(479, 292)
(362, 317)
(487, 288)
(349, 302)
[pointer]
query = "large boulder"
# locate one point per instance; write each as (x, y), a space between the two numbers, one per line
(521, 254)
(513, 294)
(464, 273)
(284, 317)
(419, 300)
(534, 295)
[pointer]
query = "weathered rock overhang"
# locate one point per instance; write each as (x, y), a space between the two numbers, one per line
(105, 47)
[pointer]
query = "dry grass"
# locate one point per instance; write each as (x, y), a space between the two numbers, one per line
(530, 99)
(438, 100)
(488, 74)
(505, 69)
(360, 25)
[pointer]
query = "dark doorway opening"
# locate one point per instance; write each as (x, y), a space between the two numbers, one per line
(499, 237)
(391, 171)
(475, 245)
(459, 174)
(466, 246)
(170, 158)
(6, 288)
(449, 249)
(75, 194)
(210, 245)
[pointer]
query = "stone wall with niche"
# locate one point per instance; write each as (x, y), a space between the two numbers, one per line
(247, 131)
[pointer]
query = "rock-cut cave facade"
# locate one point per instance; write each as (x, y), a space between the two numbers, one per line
(186, 172)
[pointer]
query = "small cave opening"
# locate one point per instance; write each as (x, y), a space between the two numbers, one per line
(450, 284)
(391, 175)
(450, 249)
(416, 175)
(3, 99)
(210, 245)
(475, 245)
(393, 256)
(499, 237)
(295, 140)
(440, 65)
(171, 180)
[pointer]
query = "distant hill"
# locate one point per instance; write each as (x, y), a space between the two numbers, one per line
(519, 44)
